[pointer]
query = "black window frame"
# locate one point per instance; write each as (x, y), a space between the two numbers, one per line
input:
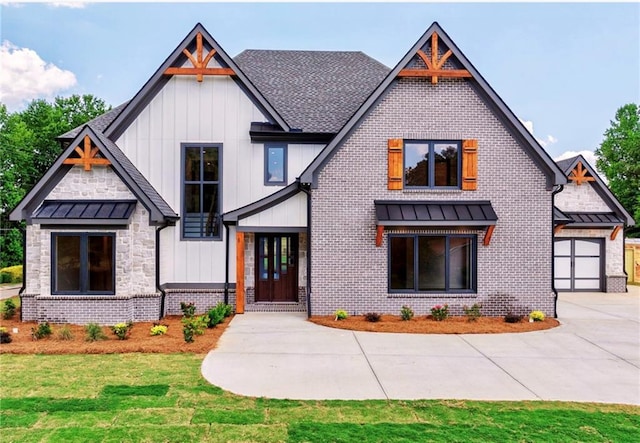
(431, 164)
(201, 182)
(474, 264)
(285, 153)
(84, 260)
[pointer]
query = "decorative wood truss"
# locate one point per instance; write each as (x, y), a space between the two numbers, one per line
(579, 174)
(87, 156)
(199, 63)
(434, 65)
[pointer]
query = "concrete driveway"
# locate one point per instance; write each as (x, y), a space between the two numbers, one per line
(594, 356)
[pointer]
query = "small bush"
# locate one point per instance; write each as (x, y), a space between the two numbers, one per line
(15, 273)
(5, 277)
(216, 315)
(41, 331)
(512, 318)
(406, 313)
(158, 329)
(188, 309)
(9, 309)
(193, 326)
(536, 316)
(372, 317)
(440, 312)
(94, 332)
(5, 335)
(473, 313)
(122, 330)
(341, 314)
(64, 333)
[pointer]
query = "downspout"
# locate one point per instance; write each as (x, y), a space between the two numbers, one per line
(308, 192)
(24, 266)
(226, 266)
(553, 252)
(162, 292)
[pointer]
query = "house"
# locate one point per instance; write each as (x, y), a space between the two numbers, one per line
(296, 181)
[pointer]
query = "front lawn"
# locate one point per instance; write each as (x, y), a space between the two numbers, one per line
(163, 398)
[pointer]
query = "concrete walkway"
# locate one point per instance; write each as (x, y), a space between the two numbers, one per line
(593, 357)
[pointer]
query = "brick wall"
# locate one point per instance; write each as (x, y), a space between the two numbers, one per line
(203, 299)
(350, 272)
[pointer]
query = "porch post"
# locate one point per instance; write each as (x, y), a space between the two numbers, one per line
(239, 272)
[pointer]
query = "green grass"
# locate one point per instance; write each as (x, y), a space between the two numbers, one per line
(163, 398)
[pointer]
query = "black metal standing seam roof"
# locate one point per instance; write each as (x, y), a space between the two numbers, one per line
(84, 212)
(315, 91)
(435, 213)
(594, 219)
(560, 218)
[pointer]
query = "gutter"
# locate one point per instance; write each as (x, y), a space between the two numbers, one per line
(307, 191)
(553, 252)
(226, 266)
(162, 291)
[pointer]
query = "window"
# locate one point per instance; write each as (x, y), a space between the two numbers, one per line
(201, 191)
(432, 164)
(275, 164)
(83, 263)
(429, 263)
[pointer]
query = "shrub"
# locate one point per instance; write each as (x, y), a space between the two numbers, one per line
(440, 312)
(536, 316)
(158, 329)
(216, 315)
(94, 332)
(64, 333)
(473, 313)
(372, 317)
(5, 277)
(512, 318)
(406, 313)
(341, 314)
(122, 330)
(193, 326)
(15, 274)
(41, 331)
(9, 309)
(188, 309)
(5, 335)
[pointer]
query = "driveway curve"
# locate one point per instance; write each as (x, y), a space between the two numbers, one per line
(594, 356)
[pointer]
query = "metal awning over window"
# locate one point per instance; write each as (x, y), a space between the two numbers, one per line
(593, 219)
(84, 212)
(560, 218)
(435, 213)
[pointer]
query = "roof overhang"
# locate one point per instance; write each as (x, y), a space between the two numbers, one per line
(267, 132)
(232, 217)
(435, 213)
(84, 212)
(593, 220)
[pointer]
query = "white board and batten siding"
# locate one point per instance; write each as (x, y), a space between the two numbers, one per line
(291, 213)
(213, 111)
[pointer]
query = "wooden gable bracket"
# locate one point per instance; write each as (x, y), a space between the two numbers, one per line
(614, 233)
(87, 156)
(558, 228)
(379, 231)
(199, 64)
(487, 235)
(434, 66)
(579, 175)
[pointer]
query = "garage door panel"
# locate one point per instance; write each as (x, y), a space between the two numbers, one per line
(563, 247)
(578, 264)
(563, 267)
(587, 267)
(587, 284)
(563, 284)
(586, 247)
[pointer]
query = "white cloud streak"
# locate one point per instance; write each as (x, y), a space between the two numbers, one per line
(545, 141)
(69, 4)
(25, 76)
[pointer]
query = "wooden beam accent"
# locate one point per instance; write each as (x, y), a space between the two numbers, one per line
(488, 234)
(87, 156)
(199, 63)
(614, 234)
(434, 66)
(379, 232)
(456, 73)
(239, 272)
(558, 228)
(424, 58)
(579, 175)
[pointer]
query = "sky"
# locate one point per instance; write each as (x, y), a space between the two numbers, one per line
(563, 68)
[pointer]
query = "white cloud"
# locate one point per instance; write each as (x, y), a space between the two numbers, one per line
(69, 4)
(25, 76)
(544, 142)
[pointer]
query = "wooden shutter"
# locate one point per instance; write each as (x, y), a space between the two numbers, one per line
(395, 160)
(469, 165)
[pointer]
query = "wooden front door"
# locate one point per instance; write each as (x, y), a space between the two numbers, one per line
(276, 267)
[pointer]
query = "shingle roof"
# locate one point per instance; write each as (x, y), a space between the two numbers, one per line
(435, 213)
(316, 91)
(99, 124)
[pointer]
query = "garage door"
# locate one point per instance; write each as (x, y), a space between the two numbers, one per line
(578, 264)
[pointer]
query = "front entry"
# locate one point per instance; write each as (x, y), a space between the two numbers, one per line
(276, 267)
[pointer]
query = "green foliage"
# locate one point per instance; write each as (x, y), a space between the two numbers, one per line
(619, 159)
(122, 330)
(440, 312)
(9, 309)
(406, 313)
(158, 329)
(11, 274)
(5, 335)
(473, 313)
(188, 309)
(218, 313)
(193, 326)
(64, 333)
(341, 314)
(94, 332)
(373, 317)
(43, 330)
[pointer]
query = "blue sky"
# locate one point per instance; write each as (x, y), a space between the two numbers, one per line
(566, 68)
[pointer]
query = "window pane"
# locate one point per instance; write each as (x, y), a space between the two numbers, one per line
(211, 211)
(459, 263)
(586, 247)
(210, 165)
(276, 258)
(192, 220)
(67, 258)
(264, 260)
(563, 247)
(562, 267)
(275, 165)
(401, 264)
(431, 263)
(587, 284)
(416, 164)
(446, 164)
(587, 267)
(100, 263)
(192, 164)
(562, 284)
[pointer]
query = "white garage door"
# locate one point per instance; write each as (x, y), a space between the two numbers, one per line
(578, 264)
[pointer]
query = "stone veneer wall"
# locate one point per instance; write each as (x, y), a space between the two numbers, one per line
(350, 272)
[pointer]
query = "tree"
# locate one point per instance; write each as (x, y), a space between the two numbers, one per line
(619, 160)
(27, 149)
